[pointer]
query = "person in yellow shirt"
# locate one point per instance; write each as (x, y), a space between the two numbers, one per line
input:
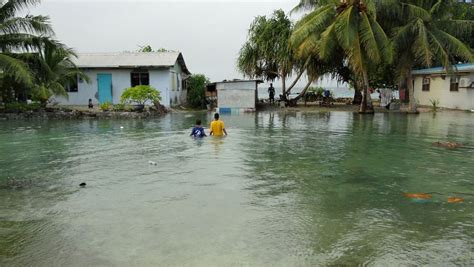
(217, 126)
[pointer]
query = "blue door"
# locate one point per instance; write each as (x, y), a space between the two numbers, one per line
(104, 83)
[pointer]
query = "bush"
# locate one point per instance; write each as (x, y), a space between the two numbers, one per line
(105, 106)
(122, 107)
(434, 104)
(41, 94)
(140, 94)
(21, 107)
(313, 94)
(196, 87)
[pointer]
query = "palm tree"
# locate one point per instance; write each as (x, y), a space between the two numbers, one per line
(54, 70)
(267, 54)
(427, 36)
(350, 26)
(20, 34)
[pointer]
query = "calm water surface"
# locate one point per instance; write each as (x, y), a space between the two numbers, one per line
(282, 189)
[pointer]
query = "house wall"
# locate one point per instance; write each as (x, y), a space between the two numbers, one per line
(439, 89)
(240, 95)
(177, 92)
(159, 79)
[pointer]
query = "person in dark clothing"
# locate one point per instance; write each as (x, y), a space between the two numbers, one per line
(198, 131)
(271, 93)
(90, 103)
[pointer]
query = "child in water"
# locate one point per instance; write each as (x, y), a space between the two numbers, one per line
(198, 131)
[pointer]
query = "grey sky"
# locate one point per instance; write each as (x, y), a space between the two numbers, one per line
(209, 34)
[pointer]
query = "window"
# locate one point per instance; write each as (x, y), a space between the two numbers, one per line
(139, 78)
(71, 86)
(454, 84)
(426, 84)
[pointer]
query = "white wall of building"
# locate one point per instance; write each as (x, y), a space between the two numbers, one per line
(159, 79)
(177, 94)
(439, 90)
(242, 94)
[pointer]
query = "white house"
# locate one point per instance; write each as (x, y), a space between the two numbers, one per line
(111, 73)
(237, 95)
(453, 89)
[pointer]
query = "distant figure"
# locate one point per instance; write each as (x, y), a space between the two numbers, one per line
(271, 93)
(326, 93)
(217, 126)
(198, 131)
(90, 103)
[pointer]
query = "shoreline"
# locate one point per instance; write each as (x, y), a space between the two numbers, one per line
(79, 112)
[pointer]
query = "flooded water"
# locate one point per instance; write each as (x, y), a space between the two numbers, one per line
(283, 189)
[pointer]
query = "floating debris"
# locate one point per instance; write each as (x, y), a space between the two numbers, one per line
(447, 144)
(418, 195)
(152, 162)
(455, 199)
(82, 184)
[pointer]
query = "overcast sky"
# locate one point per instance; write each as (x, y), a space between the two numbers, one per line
(208, 33)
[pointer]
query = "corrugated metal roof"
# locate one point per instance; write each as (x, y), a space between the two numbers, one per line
(130, 60)
(468, 67)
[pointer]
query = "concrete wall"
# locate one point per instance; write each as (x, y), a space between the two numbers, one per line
(159, 79)
(241, 95)
(439, 89)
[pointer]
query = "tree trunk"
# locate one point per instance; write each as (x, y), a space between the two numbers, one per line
(283, 86)
(301, 94)
(366, 104)
(357, 100)
(411, 95)
(298, 77)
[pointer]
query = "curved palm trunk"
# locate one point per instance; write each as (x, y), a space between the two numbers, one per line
(301, 94)
(283, 86)
(366, 106)
(411, 95)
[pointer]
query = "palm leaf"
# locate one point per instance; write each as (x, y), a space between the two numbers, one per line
(15, 68)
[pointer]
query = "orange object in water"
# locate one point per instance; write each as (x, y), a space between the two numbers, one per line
(455, 199)
(418, 195)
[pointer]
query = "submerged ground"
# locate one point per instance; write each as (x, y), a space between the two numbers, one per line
(282, 189)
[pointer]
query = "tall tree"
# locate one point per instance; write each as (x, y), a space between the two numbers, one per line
(349, 26)
(54, 70)
(20, 34)
(267, 54)
(426, 36)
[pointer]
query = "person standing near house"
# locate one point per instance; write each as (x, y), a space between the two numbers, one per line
(217, 126)
(198, 131)
(271, 93)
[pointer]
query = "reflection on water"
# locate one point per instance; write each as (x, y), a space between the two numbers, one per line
(282, 189)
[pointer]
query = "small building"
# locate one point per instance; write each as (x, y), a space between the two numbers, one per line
(453, 89)
(112, 73)
(236, 95)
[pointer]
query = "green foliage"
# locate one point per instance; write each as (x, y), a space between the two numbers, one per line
(313, 94)
(148, 48)
(266, 54)
(145, 49)
(54, 68)
(434, 104)
(106, 106)
(196, 87)
(121, 107)
(140, 94)
(20, 34)
(41, 94)
(21, 107)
